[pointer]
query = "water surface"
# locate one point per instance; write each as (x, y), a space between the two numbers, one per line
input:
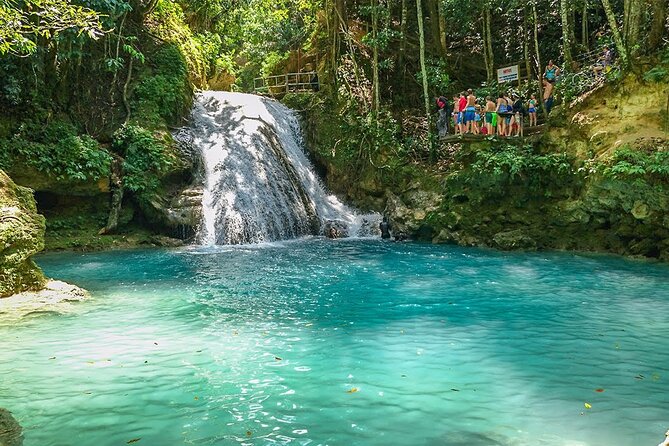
(320, 342)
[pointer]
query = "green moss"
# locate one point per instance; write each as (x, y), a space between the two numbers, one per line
(21, 236)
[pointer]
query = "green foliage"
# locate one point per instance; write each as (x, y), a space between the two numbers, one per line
(508, 165)
(166, 94)
(56, 150)
(660, 72)
(437, 76)
(637, 164)
(146, 158)
(21, 23)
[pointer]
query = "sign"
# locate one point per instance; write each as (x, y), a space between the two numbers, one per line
(507, 74)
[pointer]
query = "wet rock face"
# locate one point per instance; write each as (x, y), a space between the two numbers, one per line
(21, 236)
(10, 430)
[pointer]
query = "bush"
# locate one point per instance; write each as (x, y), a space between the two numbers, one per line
(146, 158)
(514, 165)
(637, 164)
(56, 150)
(167, 93)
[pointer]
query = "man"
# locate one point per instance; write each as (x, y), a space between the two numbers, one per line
(470, 111)
(442, 122)
(603, 62)
(462, 105)
(384, 226)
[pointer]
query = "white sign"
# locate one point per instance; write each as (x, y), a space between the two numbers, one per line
(507, 74)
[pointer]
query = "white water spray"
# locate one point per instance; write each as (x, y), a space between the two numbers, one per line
(259, 184)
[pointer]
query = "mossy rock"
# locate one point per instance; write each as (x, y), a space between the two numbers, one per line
(21, 236)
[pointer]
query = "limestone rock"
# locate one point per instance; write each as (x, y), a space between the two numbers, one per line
(10, 430)
(21, 236)
(516, 239)
(640, 210)
(55, 296)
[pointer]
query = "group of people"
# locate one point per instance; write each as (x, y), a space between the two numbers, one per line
(502, 116)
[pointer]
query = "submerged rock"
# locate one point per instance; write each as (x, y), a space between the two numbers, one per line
(10, 429)
(21, 236)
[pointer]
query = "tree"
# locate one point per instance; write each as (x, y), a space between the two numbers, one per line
(620, 45)
(566, 38)
(423, 69)
(659, 18)
(488, 54)
(21, 25)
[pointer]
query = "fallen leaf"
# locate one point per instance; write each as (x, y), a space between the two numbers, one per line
(134, 440)
(352, 390)
(249, 433)
(588, 406)
(599, 390)
(196, 398)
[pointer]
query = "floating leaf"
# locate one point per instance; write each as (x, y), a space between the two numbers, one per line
(249, 433)
(134, 440)
(196, 398)
(588, 406)
(600, 390)
(352, 390)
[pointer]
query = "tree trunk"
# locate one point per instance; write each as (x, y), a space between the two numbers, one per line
(116, 186)
(659, 18)
(566, 39)
(584, 26)
(442, 28)
(421, 33)
(617, 38)
(375, 61)
(112, 85)
(126, 104)
(538, 53)
(433, 11)
(526, 46)
(489, 55)
(403, 37)
(632, 22)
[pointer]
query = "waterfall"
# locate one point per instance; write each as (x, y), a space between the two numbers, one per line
(259, 185)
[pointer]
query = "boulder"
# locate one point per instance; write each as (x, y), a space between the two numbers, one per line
(21, 236)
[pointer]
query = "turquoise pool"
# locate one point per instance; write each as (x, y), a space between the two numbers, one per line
(345, 342)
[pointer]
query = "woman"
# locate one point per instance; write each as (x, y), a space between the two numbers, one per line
(532, 110)
(552, 72)
(501, 113)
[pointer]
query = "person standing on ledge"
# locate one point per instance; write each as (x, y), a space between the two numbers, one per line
(384, 226)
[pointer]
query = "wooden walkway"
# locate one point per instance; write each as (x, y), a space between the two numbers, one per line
(468, 137)
(286, 83)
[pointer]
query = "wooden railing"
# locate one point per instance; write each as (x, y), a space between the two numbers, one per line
(286, 83)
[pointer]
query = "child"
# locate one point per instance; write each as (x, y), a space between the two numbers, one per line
(490, 116)
(456, 113)
(532, 110)
(477, 120)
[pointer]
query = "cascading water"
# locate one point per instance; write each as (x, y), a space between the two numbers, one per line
(259, 185)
